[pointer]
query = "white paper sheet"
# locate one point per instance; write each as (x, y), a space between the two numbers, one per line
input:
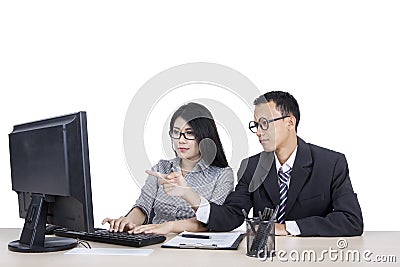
(220, 240)
(110, 251)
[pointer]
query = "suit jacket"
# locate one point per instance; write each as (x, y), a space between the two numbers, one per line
(320, 198)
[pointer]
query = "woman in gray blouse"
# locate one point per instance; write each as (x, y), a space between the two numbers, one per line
(200, 158)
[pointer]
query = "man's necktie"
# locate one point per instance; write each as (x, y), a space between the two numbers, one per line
(283, 191)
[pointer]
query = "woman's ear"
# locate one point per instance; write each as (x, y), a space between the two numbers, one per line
(172, 145)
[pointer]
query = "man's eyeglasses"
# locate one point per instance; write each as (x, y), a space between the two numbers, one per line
(263, 123)
(189, 135)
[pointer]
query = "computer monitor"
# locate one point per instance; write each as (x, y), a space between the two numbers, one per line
(50, 173)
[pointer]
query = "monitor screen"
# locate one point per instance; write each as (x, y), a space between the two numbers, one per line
(51, 174)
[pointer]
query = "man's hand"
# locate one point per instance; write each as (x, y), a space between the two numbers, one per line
(280, 229)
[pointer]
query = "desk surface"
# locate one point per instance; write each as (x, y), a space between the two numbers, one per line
(383, 246)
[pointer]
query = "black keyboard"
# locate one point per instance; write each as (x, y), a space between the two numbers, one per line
(104, 236)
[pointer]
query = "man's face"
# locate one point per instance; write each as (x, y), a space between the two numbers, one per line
(278, 131)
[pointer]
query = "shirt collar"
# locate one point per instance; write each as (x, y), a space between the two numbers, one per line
(288, 164)
(201, 165)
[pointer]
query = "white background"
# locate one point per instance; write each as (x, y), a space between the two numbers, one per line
(340, 59)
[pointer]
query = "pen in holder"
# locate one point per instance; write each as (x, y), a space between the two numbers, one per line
(260, 233)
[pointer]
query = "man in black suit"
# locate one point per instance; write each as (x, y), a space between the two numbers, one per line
(310, 184)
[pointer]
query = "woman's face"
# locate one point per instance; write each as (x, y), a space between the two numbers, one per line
(185, 149)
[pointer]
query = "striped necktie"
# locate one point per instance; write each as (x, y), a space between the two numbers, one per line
(283, 191)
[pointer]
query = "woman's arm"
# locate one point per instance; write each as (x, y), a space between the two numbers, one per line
(190, 225)
(136, 216)
(223, 186)
(127, 223)
(140, 212)
(175, 184)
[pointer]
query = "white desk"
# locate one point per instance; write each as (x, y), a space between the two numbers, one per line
(379, 243)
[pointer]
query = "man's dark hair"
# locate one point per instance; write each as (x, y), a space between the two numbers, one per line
(285, 103)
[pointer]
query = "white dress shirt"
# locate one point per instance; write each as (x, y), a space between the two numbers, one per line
(291, 226)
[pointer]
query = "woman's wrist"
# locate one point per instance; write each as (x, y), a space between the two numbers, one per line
(192, 198)
(170, 226)
(136, 216)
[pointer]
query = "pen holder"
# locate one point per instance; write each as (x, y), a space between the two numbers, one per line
(260, 237)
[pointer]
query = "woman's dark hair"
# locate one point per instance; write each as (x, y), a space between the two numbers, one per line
(203, 125)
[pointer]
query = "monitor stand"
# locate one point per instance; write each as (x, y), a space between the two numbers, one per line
(33, 238)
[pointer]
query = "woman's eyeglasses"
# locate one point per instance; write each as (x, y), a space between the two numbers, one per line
(188, 135)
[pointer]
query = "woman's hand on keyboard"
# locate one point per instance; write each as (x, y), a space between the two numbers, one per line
(158, 229)
(122, 224)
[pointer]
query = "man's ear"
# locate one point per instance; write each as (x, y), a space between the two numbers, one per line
(292, 121)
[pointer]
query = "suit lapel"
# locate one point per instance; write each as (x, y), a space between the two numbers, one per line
(265, 162)
(300, 173)
(271, 185)
(267, 170)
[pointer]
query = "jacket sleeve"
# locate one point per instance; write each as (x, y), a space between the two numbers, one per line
(229, 216)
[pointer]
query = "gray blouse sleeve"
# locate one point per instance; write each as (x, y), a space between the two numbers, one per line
(148, 194)
(223, 186)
